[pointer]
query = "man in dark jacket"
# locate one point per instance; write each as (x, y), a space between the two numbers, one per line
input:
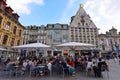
(102, 66)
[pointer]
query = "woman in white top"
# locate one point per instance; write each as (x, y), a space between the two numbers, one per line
(89, 64)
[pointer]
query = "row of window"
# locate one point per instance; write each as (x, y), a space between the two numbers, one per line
(80, 28)
(72, 32)
(83, 36)
(8, 27)
(5, 39)
(14, 30)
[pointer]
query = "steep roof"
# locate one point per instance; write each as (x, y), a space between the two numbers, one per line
(82, 19)
(113, 29)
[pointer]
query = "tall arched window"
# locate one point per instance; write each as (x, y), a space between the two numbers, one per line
(0, 21)
(20, 32)
(5, 39)
(12, 41)
(14, 30)
(8, 26)
(18, 42)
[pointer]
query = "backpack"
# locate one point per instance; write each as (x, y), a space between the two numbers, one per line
(103, 67)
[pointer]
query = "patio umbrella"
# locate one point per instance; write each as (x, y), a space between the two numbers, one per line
(74, 45)
(33, 46)
(2, 49)
(39, 46)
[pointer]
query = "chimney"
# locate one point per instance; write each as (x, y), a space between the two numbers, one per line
(16, 16)
(2, 4)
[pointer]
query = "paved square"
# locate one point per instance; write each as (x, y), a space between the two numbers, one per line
(113, 74)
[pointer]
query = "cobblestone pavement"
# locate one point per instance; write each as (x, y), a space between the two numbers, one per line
(113, 74)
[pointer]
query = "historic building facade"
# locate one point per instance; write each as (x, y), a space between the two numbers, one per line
(82, 29)
(11, 31)
(110, 42)
(34, 34)
(57, 33)
(50, 34)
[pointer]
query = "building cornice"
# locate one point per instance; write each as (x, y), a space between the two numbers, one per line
(11, 18)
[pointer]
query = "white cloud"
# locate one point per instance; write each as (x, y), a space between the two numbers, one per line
(22, 6)
(105, 13)
(65, 13)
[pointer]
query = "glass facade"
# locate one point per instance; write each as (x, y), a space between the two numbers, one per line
(65, 36)
(57, 36)
(57, 33)
(50, 37)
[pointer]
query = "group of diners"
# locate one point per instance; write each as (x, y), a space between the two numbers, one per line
(59, 65)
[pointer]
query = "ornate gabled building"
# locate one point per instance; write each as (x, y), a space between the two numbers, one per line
(11, 31)
(110, 41)
(82, 29)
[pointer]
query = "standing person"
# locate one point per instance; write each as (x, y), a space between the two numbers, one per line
(89, 64)
(119, 58)
(115, 58)
(71, 66)
(102, 66)
(49, 65)
(0, 60)
(24, 65)
(95, 69)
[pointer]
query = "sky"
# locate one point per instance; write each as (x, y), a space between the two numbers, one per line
(104, 13)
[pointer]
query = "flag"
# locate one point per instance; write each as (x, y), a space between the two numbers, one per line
(23, 52)
(117, 49)
(113, 41)
(107, 43)
(104, 42)
(84, 14)
(110, 41)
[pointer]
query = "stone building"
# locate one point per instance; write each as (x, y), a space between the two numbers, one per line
(33, 34)
(110, 42)
(82, 28)
(50, 34)
(11, 31)
(57, 33)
